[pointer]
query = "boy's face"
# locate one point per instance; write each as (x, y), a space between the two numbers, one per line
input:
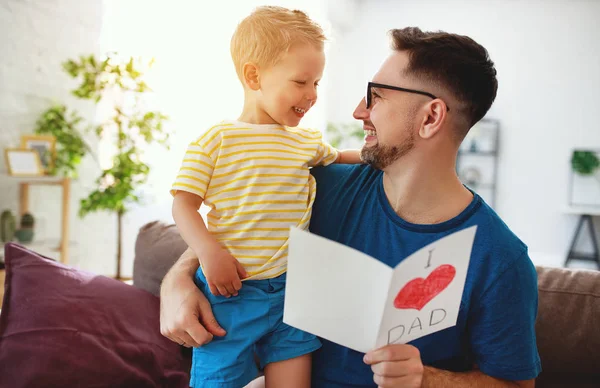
(289, 88)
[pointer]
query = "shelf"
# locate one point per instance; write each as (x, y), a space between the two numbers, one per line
(42, 179)
(25, 183)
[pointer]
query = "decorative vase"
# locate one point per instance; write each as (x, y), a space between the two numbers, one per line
(24, 236)
(7, 226)
(25, 232)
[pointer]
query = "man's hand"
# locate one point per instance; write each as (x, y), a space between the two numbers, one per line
(185, 314)
(222, 271)
(396, 366)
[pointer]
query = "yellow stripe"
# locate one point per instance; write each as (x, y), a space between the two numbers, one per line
(247, 143)
(198, 162)
(195, 170)
(268, 135)
(327, 159)
(251, 129)
(251, 264)
(270, 184)
(315, 134)
(197, 153)
(212, 151)
(223, 156)
(254, 238)
(242, 257)
(250, 247)
(211, 128)
(177, 184)
(239, 161)
(257, 194)
(270, 277)
(277, 166)
(259, 212)
(261, 176)
(190, 177)
(254, 230)
(287, 130)
(254, 221)
(266, 202)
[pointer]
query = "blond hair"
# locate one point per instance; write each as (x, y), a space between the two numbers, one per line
(268, 32)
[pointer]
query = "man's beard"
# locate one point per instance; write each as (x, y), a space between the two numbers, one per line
(381, 156)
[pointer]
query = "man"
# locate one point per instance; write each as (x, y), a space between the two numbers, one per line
(419, 106)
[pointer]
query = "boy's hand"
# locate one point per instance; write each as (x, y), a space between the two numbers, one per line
(223, 272)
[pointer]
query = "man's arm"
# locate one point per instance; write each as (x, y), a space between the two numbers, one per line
(401, 366)
(438, 378)
(185, 314)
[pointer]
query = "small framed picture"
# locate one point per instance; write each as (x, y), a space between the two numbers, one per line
(23, 162)
(45, 146)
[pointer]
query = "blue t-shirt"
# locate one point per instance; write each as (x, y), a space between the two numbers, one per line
(495, 327)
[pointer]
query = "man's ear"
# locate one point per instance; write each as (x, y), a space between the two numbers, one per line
(251, 76)
(435, 115)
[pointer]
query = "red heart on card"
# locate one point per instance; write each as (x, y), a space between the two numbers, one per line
(418, 292)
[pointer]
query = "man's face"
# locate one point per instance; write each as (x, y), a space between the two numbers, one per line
(391, 122)
(289, 88)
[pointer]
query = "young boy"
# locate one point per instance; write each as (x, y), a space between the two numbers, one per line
(254, 175)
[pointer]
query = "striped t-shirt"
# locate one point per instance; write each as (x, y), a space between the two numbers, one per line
(256, 181)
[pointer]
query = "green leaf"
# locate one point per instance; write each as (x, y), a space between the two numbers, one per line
(585, 162)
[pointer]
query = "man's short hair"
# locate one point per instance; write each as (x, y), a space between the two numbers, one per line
(268, 32)
(456, 63)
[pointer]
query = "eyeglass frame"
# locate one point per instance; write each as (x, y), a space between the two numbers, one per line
(368, 98)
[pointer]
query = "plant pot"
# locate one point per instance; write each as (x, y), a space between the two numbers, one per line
(24, 235)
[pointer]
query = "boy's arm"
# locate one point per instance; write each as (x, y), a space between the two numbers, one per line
(190, 223)
(223, 271)
(348, 157)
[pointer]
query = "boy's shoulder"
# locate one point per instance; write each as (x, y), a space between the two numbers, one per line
(214, 130)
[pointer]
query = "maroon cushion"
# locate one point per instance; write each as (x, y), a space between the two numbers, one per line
(61, 327)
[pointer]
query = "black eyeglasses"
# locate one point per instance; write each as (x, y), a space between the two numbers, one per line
(390, 87)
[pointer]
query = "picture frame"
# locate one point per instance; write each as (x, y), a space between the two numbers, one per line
(23, 163)
(44, 145)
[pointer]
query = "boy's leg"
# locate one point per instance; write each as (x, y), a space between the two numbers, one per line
(292, 373)
(228, 362)
(285, 352)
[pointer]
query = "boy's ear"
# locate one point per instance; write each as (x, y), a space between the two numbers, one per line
(251, 78)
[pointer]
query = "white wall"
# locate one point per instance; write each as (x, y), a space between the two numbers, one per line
(35, 38)
(548, 60)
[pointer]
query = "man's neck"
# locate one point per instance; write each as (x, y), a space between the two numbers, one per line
(425, 192)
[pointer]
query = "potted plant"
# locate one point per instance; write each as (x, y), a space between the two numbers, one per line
(25, 233)
(119, 83)
(586, 163)
(585, 185)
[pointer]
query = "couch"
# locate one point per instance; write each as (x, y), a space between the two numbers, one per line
(61, 327)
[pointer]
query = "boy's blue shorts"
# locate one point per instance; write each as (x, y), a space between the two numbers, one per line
(254, 323)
